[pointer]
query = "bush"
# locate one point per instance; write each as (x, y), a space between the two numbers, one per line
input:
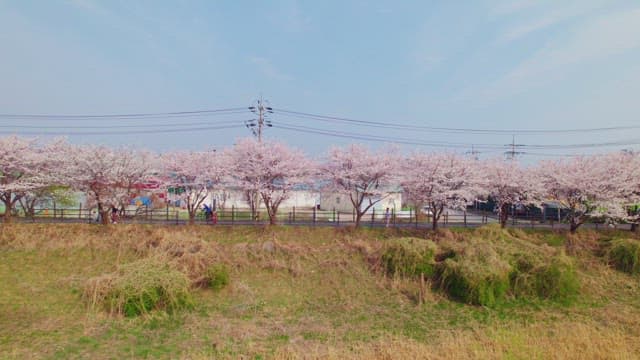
(476, 276)
(624, 255)
(409, 257)
(217, 277)
(140, 287)
(553, 279)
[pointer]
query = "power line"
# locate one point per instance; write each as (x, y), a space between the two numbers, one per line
(447, 129)
(44, 127)
(156, 131)
(155, 125)
(125, 116)
(399, 140)
(413, 141)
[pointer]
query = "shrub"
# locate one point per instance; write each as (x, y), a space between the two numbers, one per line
(553, 279)
(624, 255)
(140, 287)
(409, 257)
(217, 277)
(476, 276)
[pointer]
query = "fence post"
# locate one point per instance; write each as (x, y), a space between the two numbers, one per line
(465, 218)
(338, 222)
(61, 214)
(410, 215)
(373, 214)
(167, 212)
(233, 215)
(294, 214)
(416, 213)
(314, 216)
(177, 217)
(80, 212)
(393, 214)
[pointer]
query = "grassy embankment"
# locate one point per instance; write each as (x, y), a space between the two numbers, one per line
(315, 293)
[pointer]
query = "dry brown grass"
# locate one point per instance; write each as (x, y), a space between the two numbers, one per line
(297, 293)
(563, 340)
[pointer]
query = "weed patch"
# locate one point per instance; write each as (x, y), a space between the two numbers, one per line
(553, 279)
(140, 287)
(217, 277)
(410, 257)
(476, 276)
(624, 255)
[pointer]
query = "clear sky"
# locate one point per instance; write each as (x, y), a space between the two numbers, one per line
(459, 64)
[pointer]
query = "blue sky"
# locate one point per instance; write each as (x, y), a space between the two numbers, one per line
(461, 64)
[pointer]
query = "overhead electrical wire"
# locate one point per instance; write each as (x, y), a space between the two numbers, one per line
(447, 129)
(43, 127)
(399, 140)
(413, 141)
(128, 132)
(227, 111)
(219, 124)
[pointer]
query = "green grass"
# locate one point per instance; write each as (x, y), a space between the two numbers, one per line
(309, 291)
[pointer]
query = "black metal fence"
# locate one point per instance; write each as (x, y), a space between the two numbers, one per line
(303, 217)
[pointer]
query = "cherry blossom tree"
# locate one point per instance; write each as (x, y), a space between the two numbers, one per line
(193, 175)
(589, 186)
(361, 174)
(269, 169)
(107, 176)
(52, 194)
(25, 166)
(440, 180)
(508, 184)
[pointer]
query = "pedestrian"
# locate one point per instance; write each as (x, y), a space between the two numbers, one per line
(387, 217)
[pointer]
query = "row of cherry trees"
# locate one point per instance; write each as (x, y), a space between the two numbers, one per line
(267, 172)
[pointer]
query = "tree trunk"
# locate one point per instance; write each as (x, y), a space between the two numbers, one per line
(105, 217)
(436, 213)
(574, 226)
(8, 205)
(634, 227)
(358, 218)
(7, 212)
(192, 216)
(504, 215)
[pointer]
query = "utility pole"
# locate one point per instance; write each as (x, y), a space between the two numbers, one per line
(259, 108)
(473, 152)
(512, 153)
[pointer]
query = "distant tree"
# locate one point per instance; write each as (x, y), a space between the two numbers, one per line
(193, 176)
(270, 170)
(441, 181)
(361, 174)
(26, 166)
(509, 184)
(107, 176)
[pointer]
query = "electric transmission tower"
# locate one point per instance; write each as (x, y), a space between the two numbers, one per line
(262, 109)
(511, 154)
